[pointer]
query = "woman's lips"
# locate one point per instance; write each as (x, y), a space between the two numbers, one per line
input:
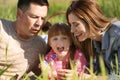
(78, 36)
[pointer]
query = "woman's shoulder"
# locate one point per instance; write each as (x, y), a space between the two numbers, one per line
(115, 28)
(117, 24)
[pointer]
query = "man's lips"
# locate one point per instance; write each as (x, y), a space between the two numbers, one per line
(34, 30)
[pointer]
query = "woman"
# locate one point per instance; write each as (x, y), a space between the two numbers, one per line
(97, 35)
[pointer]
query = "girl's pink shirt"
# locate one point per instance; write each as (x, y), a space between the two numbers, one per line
(79, 59)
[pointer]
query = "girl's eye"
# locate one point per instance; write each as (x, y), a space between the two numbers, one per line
(54, 38)
(64, 38)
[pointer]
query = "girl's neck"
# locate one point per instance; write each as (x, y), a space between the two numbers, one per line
(60, 58)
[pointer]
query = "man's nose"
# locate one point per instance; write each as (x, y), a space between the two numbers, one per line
(39, 22)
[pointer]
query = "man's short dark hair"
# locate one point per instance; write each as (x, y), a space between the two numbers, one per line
(24, 4)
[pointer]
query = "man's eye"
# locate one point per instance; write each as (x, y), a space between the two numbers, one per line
(43, 18)
(33, 16)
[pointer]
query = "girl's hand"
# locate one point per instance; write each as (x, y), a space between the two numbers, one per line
(64, 74)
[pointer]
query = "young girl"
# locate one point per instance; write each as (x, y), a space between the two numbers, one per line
(61, 50)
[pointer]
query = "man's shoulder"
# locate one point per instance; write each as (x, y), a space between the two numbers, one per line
(39, 40)
(1, 22)
(38, 37)
(4, 22)
(40, 44)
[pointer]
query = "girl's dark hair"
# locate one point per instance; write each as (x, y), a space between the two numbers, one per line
(24, 4)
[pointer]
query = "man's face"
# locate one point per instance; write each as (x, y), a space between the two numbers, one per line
(31, 21)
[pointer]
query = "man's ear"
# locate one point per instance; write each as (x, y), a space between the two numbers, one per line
(19, 12)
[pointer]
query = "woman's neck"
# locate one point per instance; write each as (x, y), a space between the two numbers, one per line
(97, 38)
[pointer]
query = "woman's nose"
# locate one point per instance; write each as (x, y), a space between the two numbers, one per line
(72, 29)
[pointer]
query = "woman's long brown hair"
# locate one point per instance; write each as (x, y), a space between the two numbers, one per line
(89, 12)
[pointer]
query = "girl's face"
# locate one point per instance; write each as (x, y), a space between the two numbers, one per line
(78, 28)
(60, 44)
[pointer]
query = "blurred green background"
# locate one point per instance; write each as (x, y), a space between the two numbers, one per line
(8, 9)
(110, 8)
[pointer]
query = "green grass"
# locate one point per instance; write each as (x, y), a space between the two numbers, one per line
(58, 6)
(110, 8)
(8, 12)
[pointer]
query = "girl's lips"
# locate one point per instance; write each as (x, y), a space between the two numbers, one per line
(60, 49)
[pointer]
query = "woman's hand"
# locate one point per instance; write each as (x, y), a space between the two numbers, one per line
(64, 74)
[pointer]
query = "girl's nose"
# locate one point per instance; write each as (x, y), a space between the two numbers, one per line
(60, 43)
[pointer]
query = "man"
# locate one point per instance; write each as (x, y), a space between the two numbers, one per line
(20, 44)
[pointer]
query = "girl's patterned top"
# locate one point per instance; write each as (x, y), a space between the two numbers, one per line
(79, 59)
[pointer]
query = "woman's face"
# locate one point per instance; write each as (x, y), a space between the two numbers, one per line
(78, 28)
(60, 44)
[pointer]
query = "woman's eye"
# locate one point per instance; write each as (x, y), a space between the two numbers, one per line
(76, 24)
